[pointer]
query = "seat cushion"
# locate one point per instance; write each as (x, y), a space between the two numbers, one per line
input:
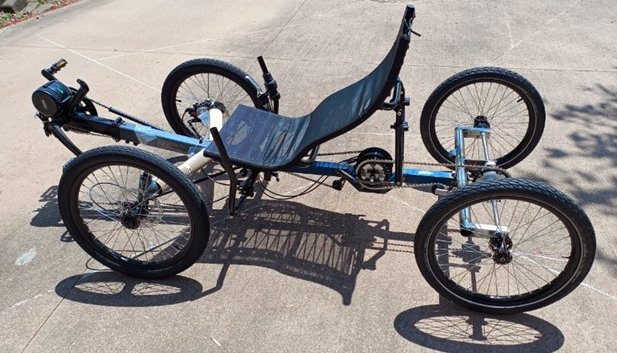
(260, 139)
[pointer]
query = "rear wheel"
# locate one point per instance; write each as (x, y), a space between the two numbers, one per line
(484, 97)
(111, 205)
(196, 86)
(526, 245)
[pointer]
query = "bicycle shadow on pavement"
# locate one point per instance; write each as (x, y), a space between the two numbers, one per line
(311, 244)
(447, 327)
(296, 240)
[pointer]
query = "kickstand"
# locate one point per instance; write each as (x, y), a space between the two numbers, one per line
(226, 163)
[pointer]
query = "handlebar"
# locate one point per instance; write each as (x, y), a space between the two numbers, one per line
(81, 93)
(270, 83)
(54, 99)
(262, 65)
(410, 14)
(57, 101)
(53, 69)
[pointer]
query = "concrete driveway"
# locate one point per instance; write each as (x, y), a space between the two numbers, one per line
(366, 295)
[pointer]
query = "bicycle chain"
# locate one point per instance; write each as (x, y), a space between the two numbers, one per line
(405, 185)
(433, 164)
(339, 153)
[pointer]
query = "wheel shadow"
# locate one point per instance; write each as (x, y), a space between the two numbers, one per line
(303, 242)
(296, 240)
(114, 289)
(449, 328)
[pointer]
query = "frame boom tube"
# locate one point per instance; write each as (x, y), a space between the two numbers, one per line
(136, 134)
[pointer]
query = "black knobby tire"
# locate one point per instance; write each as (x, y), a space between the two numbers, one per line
(512, 106)
(153, 237)
(195, 81)
(552, 246)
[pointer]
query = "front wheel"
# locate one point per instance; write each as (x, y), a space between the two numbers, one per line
(110, 204)
(505, 246)
(492, 97)
(195, 86)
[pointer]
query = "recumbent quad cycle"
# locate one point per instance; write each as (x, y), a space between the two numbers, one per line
(491, 243)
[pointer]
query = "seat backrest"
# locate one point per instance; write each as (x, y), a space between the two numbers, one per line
(267, 141)
(349, 107)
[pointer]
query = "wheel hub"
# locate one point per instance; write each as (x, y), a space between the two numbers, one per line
(501, 245)
(130, 216)
(502, 257)
(208, 104)
(130, 221)
(482, 122)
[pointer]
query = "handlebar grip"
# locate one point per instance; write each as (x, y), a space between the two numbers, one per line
(53, 69)
(410, 12)
(270, 83)
(262, 64)
(59, 64)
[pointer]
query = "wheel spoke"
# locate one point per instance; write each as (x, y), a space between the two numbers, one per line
(533, 242)
(506, 100)
(202, 82)
(112, 204)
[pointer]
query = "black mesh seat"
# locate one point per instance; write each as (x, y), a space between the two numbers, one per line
(266, 141)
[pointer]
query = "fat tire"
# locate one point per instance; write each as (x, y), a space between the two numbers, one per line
(581, 230)
(76, 170)
(195, 67)
(516, 82)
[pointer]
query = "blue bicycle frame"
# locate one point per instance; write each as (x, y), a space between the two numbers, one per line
(151, 136)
